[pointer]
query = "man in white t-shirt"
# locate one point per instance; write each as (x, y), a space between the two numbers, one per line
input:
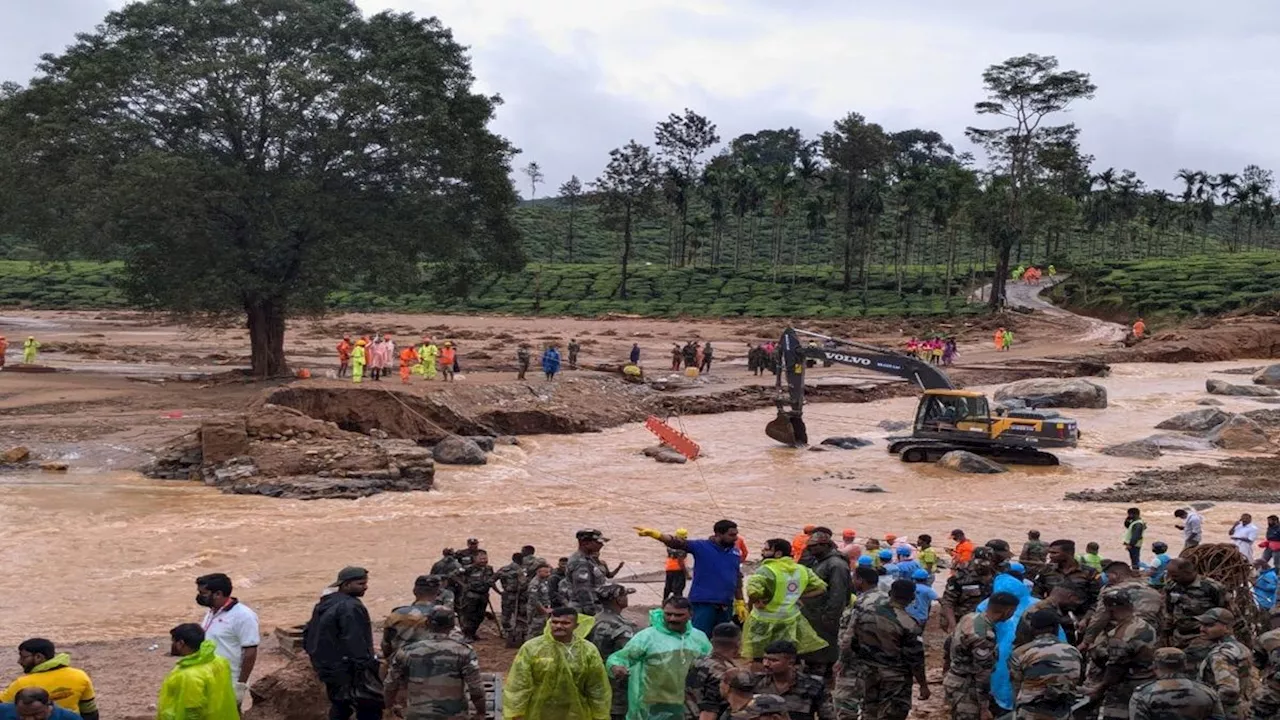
(232, 627)
(1245, 535)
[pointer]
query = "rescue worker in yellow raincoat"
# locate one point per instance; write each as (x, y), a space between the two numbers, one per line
(774, 591)
(30, 349)
(359, 356)
(427, 354)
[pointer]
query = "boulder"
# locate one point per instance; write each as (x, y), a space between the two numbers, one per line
(670, 456)
(893, 425)
(53, 466)
(1269, 375)
(1220, 387)
(16, 455)
(415, 463)
(846, 443)
(868, 489)
(1266, 417)
(1055, 392)
(654, 450)
(1139, 449)
(455, 450)
(223, 439)
(1240, 433)
(1195, 421)
(291, 693)
(485, 442)
(1210, 402)
(966, 462)
(1182, 443)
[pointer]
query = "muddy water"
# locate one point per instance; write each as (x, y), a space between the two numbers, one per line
(106, 555)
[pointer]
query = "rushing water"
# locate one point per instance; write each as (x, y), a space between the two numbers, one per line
(100, 555)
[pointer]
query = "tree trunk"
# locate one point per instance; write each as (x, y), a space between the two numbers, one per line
(266, 337)
(1001, 275)
(950, 236)
(569, 244)
(626, 251)
(737, 241)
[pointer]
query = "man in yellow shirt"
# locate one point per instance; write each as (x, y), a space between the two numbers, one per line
(44, 667)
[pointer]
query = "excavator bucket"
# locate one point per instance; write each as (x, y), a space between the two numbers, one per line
(787, 429)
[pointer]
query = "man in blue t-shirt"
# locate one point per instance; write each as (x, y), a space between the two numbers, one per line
(33, 703)
(716, 590)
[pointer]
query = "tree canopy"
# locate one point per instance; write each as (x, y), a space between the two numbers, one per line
(249, 156)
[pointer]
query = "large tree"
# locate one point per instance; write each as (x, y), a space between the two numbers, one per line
(250, 156)
(1025, 90)
(626, 190)
(570, 192)
(858, 151)
(682, 139)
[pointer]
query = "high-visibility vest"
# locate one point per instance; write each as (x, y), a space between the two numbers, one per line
(787, 589)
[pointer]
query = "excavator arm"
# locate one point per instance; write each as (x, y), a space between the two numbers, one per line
(788, 428)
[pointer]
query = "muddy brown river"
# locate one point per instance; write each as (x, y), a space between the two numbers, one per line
(106, 555)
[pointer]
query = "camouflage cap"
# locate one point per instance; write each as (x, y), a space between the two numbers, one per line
(1171, 657)
(1217, 616)
(609, 592)
(1119, 599)
(766, 705)
(590, 534)
(427, 582)
(440, 615)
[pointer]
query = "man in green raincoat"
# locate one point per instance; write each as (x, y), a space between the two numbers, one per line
(200, 684)
(427, 354)
(657, 660)
(774, 592)
(359, 358)
(557, 675)
(30, 350)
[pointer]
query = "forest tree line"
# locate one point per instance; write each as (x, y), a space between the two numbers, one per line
(860, 194)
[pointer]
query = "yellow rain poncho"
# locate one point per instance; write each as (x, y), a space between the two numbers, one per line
(779, 583)
(551, 680)
(659, 661)
(427, 354)
(198, 686)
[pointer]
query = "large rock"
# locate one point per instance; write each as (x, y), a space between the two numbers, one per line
(1055, 392)
(1221, 387)
(455, 450)
(1267, 417)
(667, 455)
(485, 442)
(414, 462)
(1195, 421)
(1269, 375)
(1138, 449)
(1240, 433)
(966, 462)
(846, 443)
(16, 455)
(291, 693)
(223, 439)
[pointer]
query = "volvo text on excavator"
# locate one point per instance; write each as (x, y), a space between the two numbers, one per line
(946, 419)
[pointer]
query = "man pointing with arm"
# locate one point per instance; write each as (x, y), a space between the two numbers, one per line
(716, 591)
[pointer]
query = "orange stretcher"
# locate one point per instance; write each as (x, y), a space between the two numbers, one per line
(673, 438)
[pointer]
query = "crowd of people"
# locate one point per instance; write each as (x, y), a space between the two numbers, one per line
(937, 350)
(690, 355)
(824, 627)
(30, 350)
(1031, 275)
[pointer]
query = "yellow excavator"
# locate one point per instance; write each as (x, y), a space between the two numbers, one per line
(946, 419)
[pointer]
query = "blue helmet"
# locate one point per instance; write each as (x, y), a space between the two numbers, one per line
(904, 551)
(920, 574)
(1017, 567)
(865, 561)
(886, 554)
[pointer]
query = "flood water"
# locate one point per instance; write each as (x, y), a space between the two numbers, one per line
(104, 555)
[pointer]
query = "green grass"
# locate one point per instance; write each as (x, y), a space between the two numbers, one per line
(1176, 288)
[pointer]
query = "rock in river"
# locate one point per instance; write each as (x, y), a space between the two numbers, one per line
(668, 455)
(966, 462)
(1140, 449)
(1055, 392)
(1221, 387)
(1195, 421)
(846, 443)
(16, 455)
(1240, 433)
(456, 450)
(1269, 375)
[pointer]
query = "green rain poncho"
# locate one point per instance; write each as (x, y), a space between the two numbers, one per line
(659, 661)
(551, 680)
(779, 583)
(198, 686)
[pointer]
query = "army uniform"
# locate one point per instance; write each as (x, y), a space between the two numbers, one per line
(804, 699)
(967, 682)
(1033, 557)
(440, 675)
(539, 597)
(886, 643)
(1227, 669)
(702, 685)
(511, 576)
(584, 575)
(846, 695)
(1025, 634)
(1266, 656)
(1182, 605)
(477, 580)
(1148, 604)
(1045, 673)
(1131, 645)
(522, 362)
(965, 590)
(610, 632)
(1086, 581)
(1175, 698)
(405, 625)
(557, 587)
(467, 556)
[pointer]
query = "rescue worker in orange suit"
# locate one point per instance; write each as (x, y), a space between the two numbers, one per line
(4, 347)
(344, 355)
(408, 358)
(447, 356)
(1139, 329)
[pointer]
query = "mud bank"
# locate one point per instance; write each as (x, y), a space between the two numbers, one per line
(1207, 341)
(1240, 479)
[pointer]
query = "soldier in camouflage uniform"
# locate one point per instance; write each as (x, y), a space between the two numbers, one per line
(433, 678)
(1187, 596)
(1034, 554)
(1227, 668)
(585, 574)
(967, 588)
(1173, 695)
(846, 695)
(967, 682)
(530, 560)
(557, 585)
(1148, 603)
(467, 555)
(702, 686)
(477, 581)
(802, 695)
(1062, 568)
(512, 583)
(609, 634)
(539, 604)
(886, 644)
(1266, 656)
(408, 623)
(1045, 672)
(1062, 600)
(1122, 659)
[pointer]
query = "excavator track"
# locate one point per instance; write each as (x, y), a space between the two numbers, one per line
(917, 450)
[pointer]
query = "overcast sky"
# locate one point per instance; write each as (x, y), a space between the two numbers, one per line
(1182, 83)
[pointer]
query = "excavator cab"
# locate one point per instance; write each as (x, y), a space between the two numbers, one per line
(949, 411)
